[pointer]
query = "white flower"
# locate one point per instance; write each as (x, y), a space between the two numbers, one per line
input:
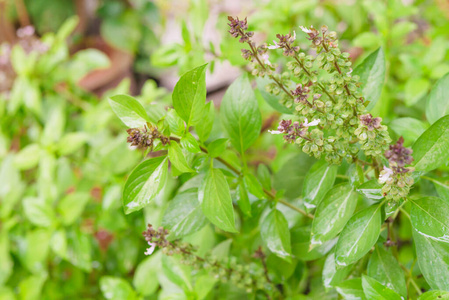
(385, 175)
(275, 132)
(294, 35)
(305, 29)
(313, 123)
(276, 46)
(151, 249)
(350, 71)
(265, 59)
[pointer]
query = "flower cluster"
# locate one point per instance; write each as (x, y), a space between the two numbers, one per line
(397, 179)
(249, 277)
(146, 138)
(345, 125)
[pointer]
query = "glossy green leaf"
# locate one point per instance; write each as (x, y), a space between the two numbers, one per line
(318, 182)
(372, 76)
(300, 240)
(177, 158)
(216, 201)
(359, 235)
(253, 186)
(204, 128)
(438, 102)
(375, 290)
(432, 148)
(429, 216)
(384, 267)
(351, 289)
(240, 114)
(271, 99)
(432, 295)
(276, 235)
(442, 187)
(144, 183)
(371, 190)
(189, 143)
(332, 275)
(409, 128)
(217, 147)
(433, 260)
(71, 207)
(333, 213)
(129, 110)
(116, 288)
(183, 215)
(189, 95)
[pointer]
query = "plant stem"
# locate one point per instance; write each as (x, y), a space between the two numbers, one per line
(270, 194)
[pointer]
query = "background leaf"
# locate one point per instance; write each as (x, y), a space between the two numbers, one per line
(438, 101)
(240, 114)
(116, 288)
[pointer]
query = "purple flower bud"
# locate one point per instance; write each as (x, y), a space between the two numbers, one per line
(399, 155)
(370, 122)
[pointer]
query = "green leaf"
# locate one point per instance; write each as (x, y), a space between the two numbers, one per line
(144, 183)
(189, 143)
(243, 199)
(204, 127)
(432, 147)
(429, 216)
(300, 237)
(371, 190)
(38, 211)
(71, 142)
(30, 288)
(432, 295)
(415, 89)
(333, 213)
(216, 201)
(177, 273)
(359, 235)
(271, 99)
(183, 215)
(438, 101)
(319, 180)
(178, 159)
(442, 187)
(79, 250)
(129, 110)
(240, 114)
(332, 275)
(217, 147)
(276, 235)
(385, 268)
(351, 289)
(253, 186)
(148, 268)
(372, 76)
(375, 290)
(189, 95)
(71, 207)
(28, 157)
(116, 288)
(409, 128)
(6, 262)
(176, 124)
(433, 260)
